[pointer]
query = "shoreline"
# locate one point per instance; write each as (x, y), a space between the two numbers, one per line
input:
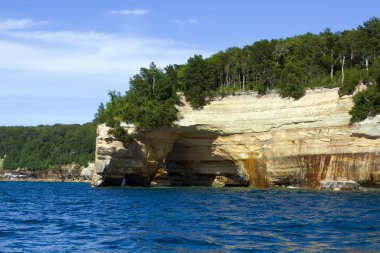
(43, 176)
(45, 180)
(289, 188)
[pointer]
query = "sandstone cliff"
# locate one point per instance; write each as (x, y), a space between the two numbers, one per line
(247, 140)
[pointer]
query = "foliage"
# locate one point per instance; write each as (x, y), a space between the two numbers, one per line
(111, 113)
(367, 102)
(41, 147)
(198, 80)
(353, 78)
(224, 91)
(292, 77)
(121, 134)
(149, 103)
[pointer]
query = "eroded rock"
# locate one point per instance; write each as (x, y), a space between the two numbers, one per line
(161, 178)
(88, 171)
(134, 164)
(339, 185)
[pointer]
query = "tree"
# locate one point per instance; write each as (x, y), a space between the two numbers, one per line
(329, 44)
(292, 76)
(150, 76)
(172, 72)
(199, 81)
(244, 61)
(217, 62)
(369, 40)
(263, 65)
(100, 114)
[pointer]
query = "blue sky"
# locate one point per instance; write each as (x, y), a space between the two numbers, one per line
(58, 59)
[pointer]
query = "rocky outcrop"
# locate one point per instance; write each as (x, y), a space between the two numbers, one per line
(249, 140)
(339, 185)
(133, 164)
(87, 172)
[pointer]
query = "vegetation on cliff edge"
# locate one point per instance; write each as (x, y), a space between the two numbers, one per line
(367, 102)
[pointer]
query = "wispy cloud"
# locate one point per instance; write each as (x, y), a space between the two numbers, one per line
(65, 63)
(184, 22)
(87, 52)
(19, 24)
(128, 12)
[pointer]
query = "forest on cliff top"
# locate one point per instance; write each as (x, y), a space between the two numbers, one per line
(287, 66)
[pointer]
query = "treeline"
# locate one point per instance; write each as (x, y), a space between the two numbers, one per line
(287, 66)
(44, 147)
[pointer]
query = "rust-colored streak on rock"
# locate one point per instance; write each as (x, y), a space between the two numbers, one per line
(250, 166)
(256, 170)
(361, 167)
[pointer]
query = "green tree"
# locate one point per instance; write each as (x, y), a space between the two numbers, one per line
(329, 51)
(292, 76)
(199, 81)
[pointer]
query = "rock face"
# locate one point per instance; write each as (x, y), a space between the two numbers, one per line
(339, 185)
(134, 164)
(88, 171)
(246, 140)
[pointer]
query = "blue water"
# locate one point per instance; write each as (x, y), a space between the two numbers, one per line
(73, 217)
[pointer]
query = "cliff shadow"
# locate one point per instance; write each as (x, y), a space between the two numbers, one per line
(193, 162)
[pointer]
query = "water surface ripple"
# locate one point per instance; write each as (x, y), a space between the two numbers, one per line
(73, 217)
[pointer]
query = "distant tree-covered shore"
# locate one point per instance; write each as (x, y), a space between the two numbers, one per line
(44, 147)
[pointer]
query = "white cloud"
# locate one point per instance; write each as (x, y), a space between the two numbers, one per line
(87, 52)
(190, 21)
(18, 24)
(126, 12)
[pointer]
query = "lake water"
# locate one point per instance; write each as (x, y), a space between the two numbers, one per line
(73, 217)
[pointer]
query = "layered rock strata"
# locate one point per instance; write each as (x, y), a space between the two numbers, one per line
(249, 140)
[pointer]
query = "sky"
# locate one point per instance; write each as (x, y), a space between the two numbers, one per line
(58, 59)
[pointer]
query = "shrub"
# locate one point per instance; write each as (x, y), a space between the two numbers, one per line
(366, 104)
(353, 78)
(120, 134)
